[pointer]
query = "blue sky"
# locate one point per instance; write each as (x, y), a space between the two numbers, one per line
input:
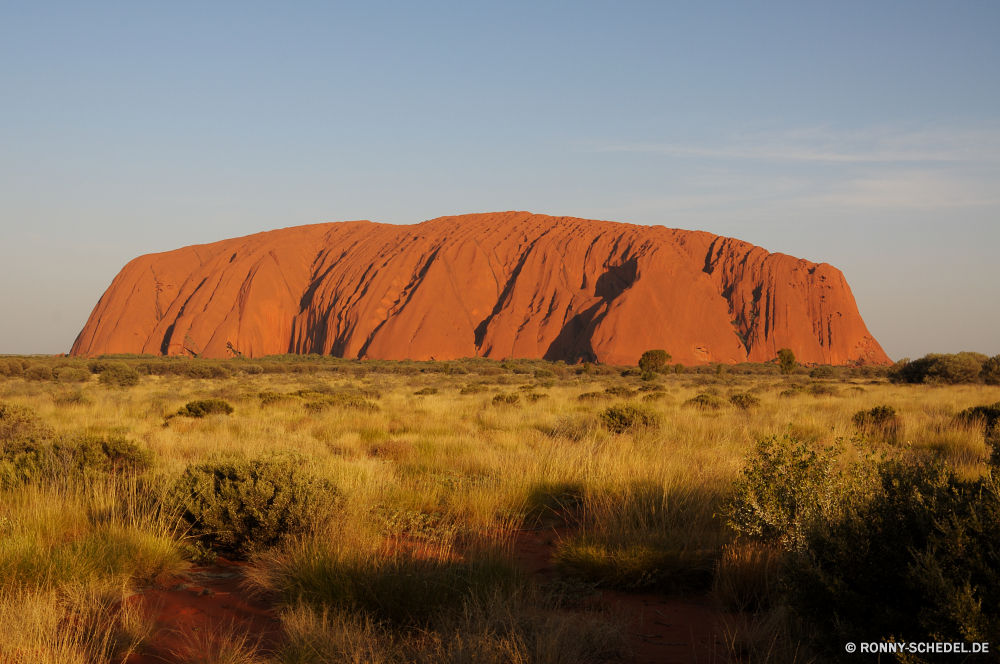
(866, 135)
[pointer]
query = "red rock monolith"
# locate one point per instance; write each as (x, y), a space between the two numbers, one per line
(500, 285)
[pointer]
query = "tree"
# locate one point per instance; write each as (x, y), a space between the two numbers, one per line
(786, 358)
(654, 361)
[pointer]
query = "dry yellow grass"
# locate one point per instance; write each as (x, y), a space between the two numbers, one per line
(464, 469)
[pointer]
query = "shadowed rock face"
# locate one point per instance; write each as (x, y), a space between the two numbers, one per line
(508, 284)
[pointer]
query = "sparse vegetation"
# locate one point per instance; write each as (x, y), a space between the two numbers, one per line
(340, 486)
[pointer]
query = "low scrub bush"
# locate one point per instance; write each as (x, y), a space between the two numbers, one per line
(624, 417)
(20, 425)
(916, 559)
(28, 460)
(38, 372)
(204, 408)
(426, 391)
(473, 389)
(705, 401)
(986, 416)
(823, 371)
(784, 489)
(505, 399)
(744, 400)
(13, 368)
(71, 374)
(881, 423)
(249, 505)
(118, 374)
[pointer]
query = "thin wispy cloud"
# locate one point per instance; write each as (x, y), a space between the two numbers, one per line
(820, 145)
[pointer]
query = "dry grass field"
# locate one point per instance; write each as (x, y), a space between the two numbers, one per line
(377, 503)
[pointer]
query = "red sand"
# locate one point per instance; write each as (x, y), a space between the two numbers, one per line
(662, 629)
(182, 608)
(500, 285)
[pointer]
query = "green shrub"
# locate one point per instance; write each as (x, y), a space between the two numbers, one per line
(654, 361)
(627, 416)
(426, 391)
(881, 422)
(824, 371)
(207, 371)
(473, 389)
(71, 374)
(705, 401)
(108, 454)
(13, 368)
(823, 390)
(620, 391)
(38, 372)
(505, 399)
(944, 368)
(31, 458)
(254, 369)
(534, 397)
(626, 373)
(784, 489)
(786, 360)
(19, 424)
(205, 407)
(987, 416)
(118, 374)
(248, 505)
(544, 373)
(990, 373)
(917, 559)
(744, 400)
(678, 368)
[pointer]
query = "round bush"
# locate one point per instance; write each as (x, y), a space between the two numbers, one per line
(71, 375)
(248, 505)
(880, 422)
(38, 372)
(744, 400)
(705, 401)
(205, 407)
(623, 417)
(118, 374)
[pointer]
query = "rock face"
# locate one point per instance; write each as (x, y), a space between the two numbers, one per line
(508, 284)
